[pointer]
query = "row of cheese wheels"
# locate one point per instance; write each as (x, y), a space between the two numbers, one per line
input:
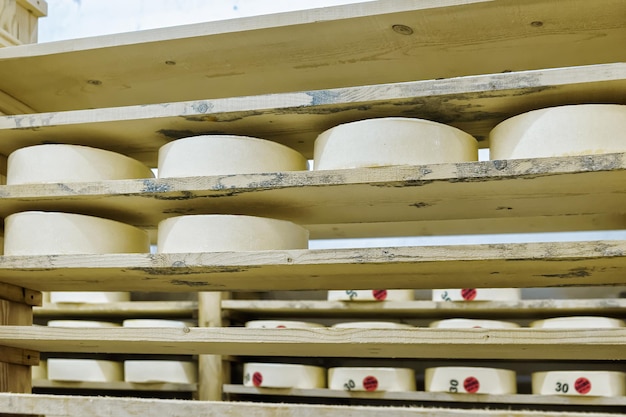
(556, 131)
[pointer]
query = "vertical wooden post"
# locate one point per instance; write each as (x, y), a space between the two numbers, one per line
(212, 371)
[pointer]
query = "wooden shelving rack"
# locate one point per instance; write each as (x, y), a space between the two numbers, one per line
(287, 77)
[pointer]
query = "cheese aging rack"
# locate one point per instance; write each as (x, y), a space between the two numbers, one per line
(288, 77)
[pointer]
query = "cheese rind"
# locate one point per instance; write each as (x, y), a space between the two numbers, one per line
(370, 295)
(86, 370)
(82, 323)
(71, 163)
(89, 297)
(477, 294)
(579, 322)
(470, 380)
(157, 323)
(160, 371)
(226, 155)
(281, 324)
(580, 383)
(371, 379)
(580, 129)
(278, 375)
(392, 141)
(372, 325)
(472, 323)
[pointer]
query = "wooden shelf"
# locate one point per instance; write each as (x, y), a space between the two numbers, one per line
(70, 406)
(119, 309)
(474, 104)
(114, 386)
(525, 195)
(420, 396)
(493, 344)
(525, 309)
(355, 44)
(422, 267)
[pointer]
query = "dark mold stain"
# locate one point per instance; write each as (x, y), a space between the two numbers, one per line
(151, 186)
(420, 204)
(500, 164)
(574, 273)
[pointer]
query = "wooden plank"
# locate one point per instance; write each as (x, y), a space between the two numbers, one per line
(358, 44)
(19, 356)
(20, 295)
(38, 8)
(425, 309)
(70, 406)
(15, 377)
(113, 386)
(544, 194)
(474, 104)
(421, 396)
(120, 309)
(493, 344)
(421, 267)
(211, 370)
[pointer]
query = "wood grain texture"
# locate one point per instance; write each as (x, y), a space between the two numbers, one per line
(70, 406)
(118, 310)
(20, 295)
(493, 344)
(211, 371)
(442, 397)
(353, 45)
(18, 356)
(15, 376)
(525, 195)
(424, 309)
(113, 386)
(474, 104)
(421, 267)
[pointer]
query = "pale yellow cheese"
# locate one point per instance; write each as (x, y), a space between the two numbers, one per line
(578, 322)
(370, 295)
(281, 324)
(87, 370)
(88, 297)
(160, 371)
(477, 294)
(472, 323)
(371, 379)
(470, 380)
(580, 383)
(278, 375)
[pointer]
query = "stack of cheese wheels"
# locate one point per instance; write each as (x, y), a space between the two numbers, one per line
(584, 383)
(477, 294)
(578, 322)
(470, 380)
(89, 297)
(49, 233)
(282, 324)
(371, 379)
(71, 163)
(281, 375)
(370, 295)
(219, 233)
(86, 370)
(372, 325)
(226, 155)
(145, 371)
(561, 131)
(392, 141)
(472, 323)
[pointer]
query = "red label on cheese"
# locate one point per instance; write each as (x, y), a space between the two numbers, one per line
(582, 385)
(370, 383)
(380, 295)
(468, 294)
(471, 384)
(257, 379)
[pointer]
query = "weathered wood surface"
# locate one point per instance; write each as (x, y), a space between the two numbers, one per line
(474, 104)
(113, 386)
(420, 396)
(15, 374)
(421, 267)
(119, 309)
(69, 406)
(492, 344)
(257, 309)
(355, 44)
(20, 295)
(526, 195)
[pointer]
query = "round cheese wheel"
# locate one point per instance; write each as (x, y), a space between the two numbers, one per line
(279, 375)
(583, 383)
(561, 131)
(472, 323)
(370, 295)
(281, 324)
(372, 325)
(578, 322)
(89, 297)
(371, 379)
(392, 141)
(220, 233)
(71, 163)
(226, 155)
(81, 323)
(470, 380)
(47, 233)
(84, 370)
(477, 294)
(160, 371)
(157, 323)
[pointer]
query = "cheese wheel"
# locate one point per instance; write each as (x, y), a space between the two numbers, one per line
(71, 163)
(84, 370)
(281, 324)
(372, 325)
(219, 233)
(371, 379)
(392, 141)
(160, 371)
(157, 323)
(472, 323)
(561, 131)
(583, 383)
(47, 233)
(39, 371)
(81, 323)
(370, 295)
(578, 322)
(226, 155)
(470, 380)
(278, 375)
(89, 297)
(477, 294)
